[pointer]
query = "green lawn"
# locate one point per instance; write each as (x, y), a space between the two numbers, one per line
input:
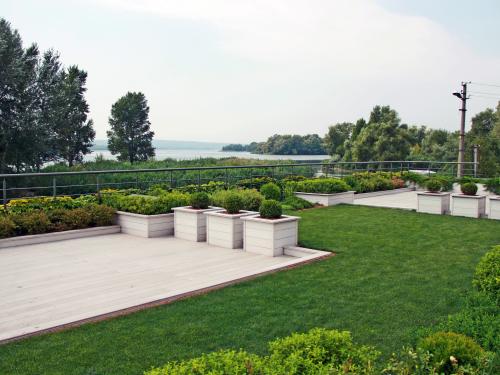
(394, 271)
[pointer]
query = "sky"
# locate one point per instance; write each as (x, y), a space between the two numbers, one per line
(242, 70)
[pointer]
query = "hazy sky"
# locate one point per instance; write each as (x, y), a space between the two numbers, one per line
(241, 70)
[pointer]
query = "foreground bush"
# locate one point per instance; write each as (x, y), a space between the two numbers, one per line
(451, 350)
(487, 275)
(270, 209)
(319, 351)
(251, 199)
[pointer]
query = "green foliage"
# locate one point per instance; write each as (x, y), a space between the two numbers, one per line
(364, 182)
(200, 200)
(295, 203)
(270, 209)
(33, 222)
(450, 350)
(145, 204)
(446, 182)
(310, 144)
(487, 275)
(469, 188)
(271, 191)
(130, 137)
(101, 215)
(321, 185)
(208, 188)
(233, 203)
(493, 185)
(414, 177)
(49, 203)
(433, 185)
(7, 226)
(255, 183)
(479, 319)
(223, 362)
(251, 199)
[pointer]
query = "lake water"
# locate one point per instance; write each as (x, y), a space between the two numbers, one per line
(190, 154)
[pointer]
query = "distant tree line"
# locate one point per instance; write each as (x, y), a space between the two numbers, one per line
(384, 137)
(44, 113)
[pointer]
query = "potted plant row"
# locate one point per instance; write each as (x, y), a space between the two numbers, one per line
(433, 200)
(324, 191)
(468, 203)
(224, 227)
(269, 232)
(190, 222)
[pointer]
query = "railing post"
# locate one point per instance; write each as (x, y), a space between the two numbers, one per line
(199, 178)
(227, 178)
(171, 179)
(98, 188)
(54, 187)
(4, 188)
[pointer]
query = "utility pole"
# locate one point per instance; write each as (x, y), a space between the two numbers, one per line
(461, 144)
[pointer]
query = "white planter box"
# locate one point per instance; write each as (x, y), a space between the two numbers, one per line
(269, 236)
(433, 203)
(58, 236)
(146, 225)
(226, 230)
(191, 224)
(494, 212)
(327, 199)
(468, 205)
(383, 192)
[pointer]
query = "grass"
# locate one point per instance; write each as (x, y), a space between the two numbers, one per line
(394, 271)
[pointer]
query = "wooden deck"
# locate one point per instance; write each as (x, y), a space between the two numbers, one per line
(50, 285)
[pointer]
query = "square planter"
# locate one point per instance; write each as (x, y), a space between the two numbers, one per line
(269, 236)
(145, 225)
(191, 224)
(494, 212)
(226, 230)
(433, 203)
(468, 205)
(327, 199)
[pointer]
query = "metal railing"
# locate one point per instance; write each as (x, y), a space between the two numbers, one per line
(91, 182)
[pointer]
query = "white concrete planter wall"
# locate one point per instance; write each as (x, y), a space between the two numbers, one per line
(468, 205)
(226, 230)
(58, 236)
(269, 236)
(383, 192)
(191, 224)
(327, 199)
(433, 203)
(146, 225)
(494, 212)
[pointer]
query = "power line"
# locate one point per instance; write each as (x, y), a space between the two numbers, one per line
(486, 93)
(485, 84)
(486, 97)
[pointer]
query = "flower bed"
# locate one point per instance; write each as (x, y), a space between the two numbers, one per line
(325, 191)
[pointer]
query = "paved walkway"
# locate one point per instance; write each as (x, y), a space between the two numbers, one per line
(407, 200)
(48, 285)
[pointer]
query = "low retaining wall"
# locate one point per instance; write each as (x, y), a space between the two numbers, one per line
(327, 199)
(382, 192)
(58, 236)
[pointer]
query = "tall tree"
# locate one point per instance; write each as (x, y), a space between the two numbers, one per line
(74, 132)
(336, 139)
(130, 136)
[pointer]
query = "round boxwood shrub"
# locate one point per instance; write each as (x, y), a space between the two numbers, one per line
(433, 185)
(271, 191)
(200, 200)
(487, 275)
(451, 349)
(270, 209)
(469, 188)
(233, 203)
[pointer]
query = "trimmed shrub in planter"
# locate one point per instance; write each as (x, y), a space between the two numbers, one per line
(468, 188)
(271, 191)
(200, 201)
(493, 185)
(433, 185)
(251, 198)
(325, 191)
(270, 209)
(487, 275)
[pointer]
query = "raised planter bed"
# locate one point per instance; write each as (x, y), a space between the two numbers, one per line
(146, 225)
(58, 236)
(433, 203)
(269, 236)
(226, 230)
(327, 199)
(383, 192)
(468, 205)
(494, 212)
(191, 224)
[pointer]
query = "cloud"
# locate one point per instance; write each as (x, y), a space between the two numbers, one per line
(319, 61)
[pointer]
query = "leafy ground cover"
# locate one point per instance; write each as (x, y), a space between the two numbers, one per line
(394, 271)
